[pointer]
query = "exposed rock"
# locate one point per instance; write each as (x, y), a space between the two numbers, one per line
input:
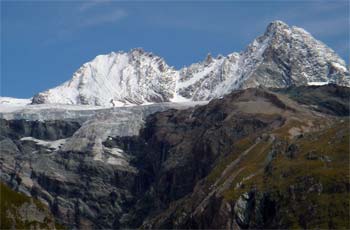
(330, 99)
(220, 165)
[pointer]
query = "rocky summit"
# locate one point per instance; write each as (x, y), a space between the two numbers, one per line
(252, 140)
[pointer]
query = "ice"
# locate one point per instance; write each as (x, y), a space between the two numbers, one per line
(318, 83)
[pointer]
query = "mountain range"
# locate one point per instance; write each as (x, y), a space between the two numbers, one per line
(251, 140)
(283, 56)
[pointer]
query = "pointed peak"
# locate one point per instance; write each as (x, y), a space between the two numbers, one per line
(138, 50)
(276, 26)
(208, 59)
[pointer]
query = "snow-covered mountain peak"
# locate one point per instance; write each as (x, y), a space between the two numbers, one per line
(135, 77)
(281, 57)
(292, 56)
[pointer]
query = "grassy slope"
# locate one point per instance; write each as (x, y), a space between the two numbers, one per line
(308, 176)
(10, 216)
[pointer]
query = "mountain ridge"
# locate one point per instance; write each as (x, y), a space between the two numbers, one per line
(281, 57)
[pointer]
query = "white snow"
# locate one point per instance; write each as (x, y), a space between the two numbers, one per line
(9, 104)
(55, 145)
(198, 76)
(300, 31)
(179, 98)
(119, 78)
(14, 101)
(11, 108)
(140, 78)
(318, 83)
(339, 67)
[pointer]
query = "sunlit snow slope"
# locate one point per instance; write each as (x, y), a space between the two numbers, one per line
(281, 57)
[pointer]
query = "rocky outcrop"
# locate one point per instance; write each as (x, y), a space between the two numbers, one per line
(80, 191)
(330, 99)
(50, 130)
(291, 56)
(85, 183)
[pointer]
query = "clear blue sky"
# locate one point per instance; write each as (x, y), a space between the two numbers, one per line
(44, 42)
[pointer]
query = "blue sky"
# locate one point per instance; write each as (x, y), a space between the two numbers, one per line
(44, 42)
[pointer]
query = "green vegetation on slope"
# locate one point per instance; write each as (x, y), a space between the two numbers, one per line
(18, 211)
(305, 179)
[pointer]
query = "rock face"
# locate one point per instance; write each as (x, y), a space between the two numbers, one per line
(264, 179)
(254, 159)
(65, 164)
(330, 99)
(291, 56)
(50, 130)
(283, 56)
(81, 191)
